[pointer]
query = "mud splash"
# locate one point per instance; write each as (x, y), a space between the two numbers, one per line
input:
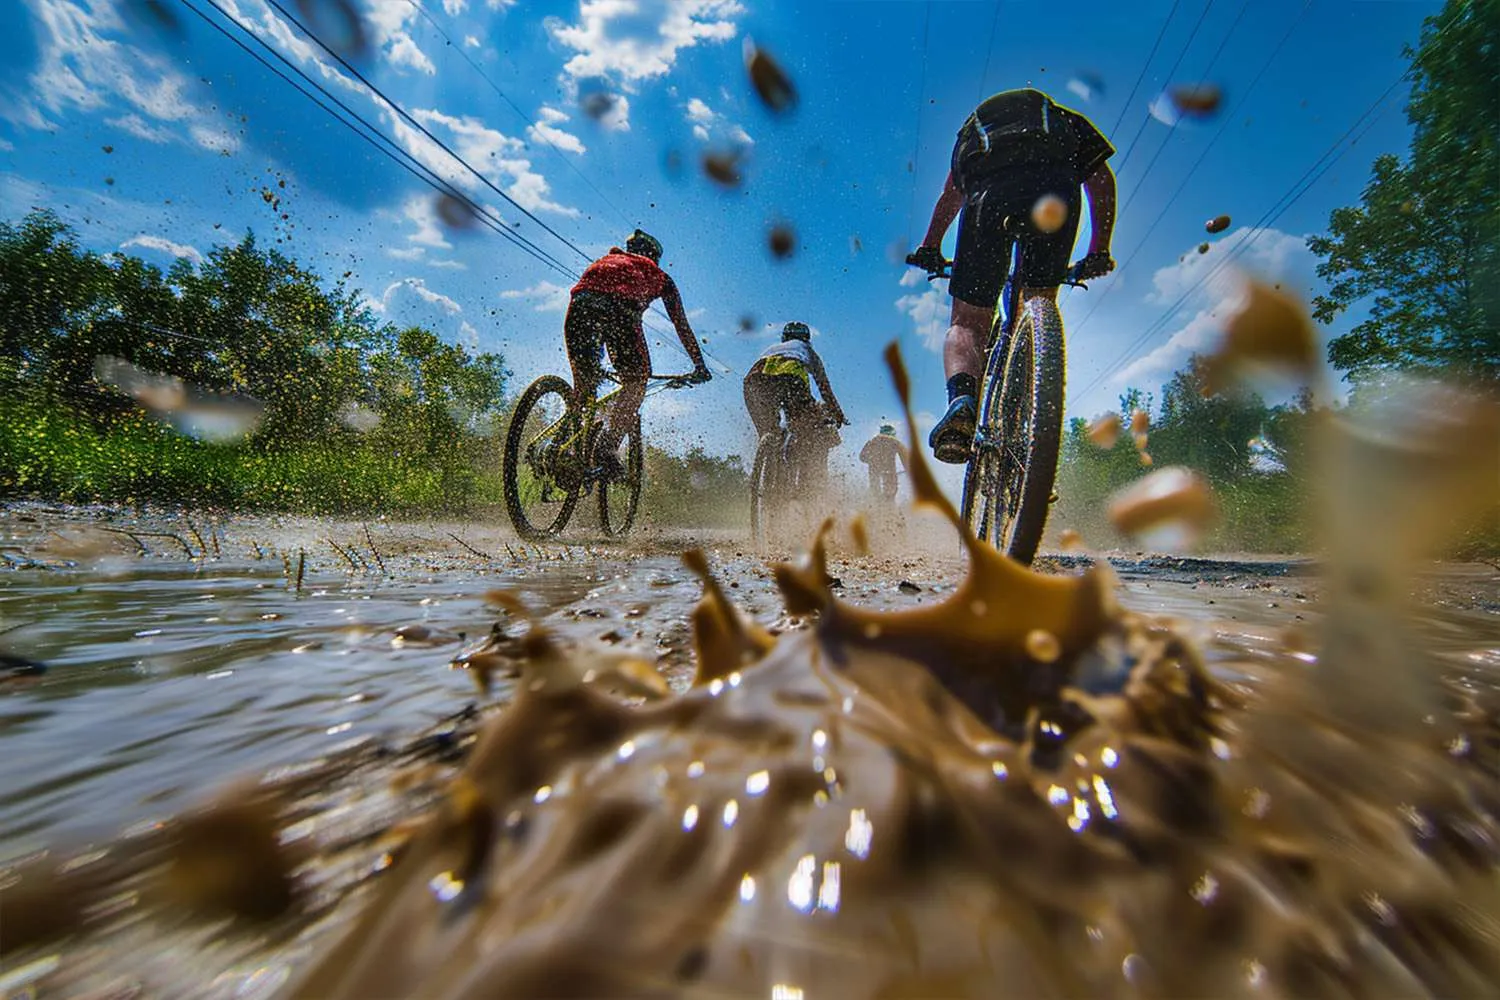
(1022, 785)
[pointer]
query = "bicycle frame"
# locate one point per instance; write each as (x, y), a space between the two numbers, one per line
(591, 407)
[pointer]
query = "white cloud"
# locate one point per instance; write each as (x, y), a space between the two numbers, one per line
(546, 296)
(545, 130)
(928, 312)
(213, 137)
(455, 7)
(390, 21)
(486, 150)
(419, 288)
(407, 253)
(706, 121)
(165, 246)
(6, 146)
(471, 42)
(419, 211)
(499, 4)
(635, 40)
(1268, 254)
(452, 265)
(85, 64)
(138, 127)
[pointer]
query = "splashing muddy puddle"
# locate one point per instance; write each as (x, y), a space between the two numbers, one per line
(844, 787)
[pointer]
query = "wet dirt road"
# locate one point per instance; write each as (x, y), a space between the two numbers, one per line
(181, 655)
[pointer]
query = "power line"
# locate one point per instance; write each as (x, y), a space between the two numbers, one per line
(1125, 108)
(529, 120)
(1172, 198)
(1170, 73)
(1292, 195)
(480, 176)
(416, 168)
(1207, 70)
(989, 50)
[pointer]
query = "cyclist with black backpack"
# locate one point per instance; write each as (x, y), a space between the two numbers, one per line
(1016, 149)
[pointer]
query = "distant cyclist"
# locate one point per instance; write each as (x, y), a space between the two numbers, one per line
(605, 311)
(780, 382)
(879, 455)
(1017, 147)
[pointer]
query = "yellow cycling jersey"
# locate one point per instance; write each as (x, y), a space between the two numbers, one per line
(785, 366)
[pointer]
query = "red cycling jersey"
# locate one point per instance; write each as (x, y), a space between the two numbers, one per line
(636, 279)
(627, 275)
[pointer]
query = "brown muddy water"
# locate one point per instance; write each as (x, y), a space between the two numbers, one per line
(177, 665)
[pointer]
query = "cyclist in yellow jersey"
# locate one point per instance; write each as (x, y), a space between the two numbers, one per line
(780, 381)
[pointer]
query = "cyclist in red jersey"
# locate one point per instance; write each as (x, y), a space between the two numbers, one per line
(605, 312)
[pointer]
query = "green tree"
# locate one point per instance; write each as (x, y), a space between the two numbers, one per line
(1422, 250)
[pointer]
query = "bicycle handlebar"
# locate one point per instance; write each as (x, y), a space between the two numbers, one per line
(1070, 279)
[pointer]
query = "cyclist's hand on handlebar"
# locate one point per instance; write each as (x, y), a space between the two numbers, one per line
(700, 375)
(1095, 265)
(929, 259)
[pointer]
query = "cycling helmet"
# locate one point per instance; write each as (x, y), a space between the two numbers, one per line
(645, 244)
(796, 331)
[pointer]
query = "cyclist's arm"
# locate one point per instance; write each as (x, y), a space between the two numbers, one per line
(943, 213)
(1100, 188)
(673, 303)
(826, 390)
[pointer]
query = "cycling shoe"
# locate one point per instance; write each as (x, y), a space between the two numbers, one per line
(953, 437)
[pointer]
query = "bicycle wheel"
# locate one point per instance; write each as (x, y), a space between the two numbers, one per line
(543, 469)
(619, 500)
(1018, 435)
(763, 485)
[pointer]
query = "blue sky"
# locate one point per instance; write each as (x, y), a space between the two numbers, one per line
(197, 129)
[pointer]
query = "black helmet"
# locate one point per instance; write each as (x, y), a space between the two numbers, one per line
(796, 331)
(645, 244)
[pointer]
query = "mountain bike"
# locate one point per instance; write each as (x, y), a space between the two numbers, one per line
(1018, 427)
(791, 465)
(549, 462)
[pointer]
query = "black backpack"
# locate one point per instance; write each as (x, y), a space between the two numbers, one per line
(1012, 130)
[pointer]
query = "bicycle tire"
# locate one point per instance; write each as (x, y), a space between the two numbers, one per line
(1008, 485)
(615, 520)
(762, 484)
(511, 461)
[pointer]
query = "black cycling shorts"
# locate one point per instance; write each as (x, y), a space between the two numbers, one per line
(599, 320)
(768, 396)
(994, 218)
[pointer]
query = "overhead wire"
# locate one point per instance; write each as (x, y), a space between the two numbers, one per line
(916, 151)
(414, 123)
(1160, 34)
(989, 50)
(1247, 239)
(536, 128)
(415, 167)
(1202, 155)
(1182, 54)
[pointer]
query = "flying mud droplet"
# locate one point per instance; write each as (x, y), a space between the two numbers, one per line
(1271, 331)
(1203, 248)
(1147, 460)
(1105, 431)
(671, 164)
(337, 22)
(1049, 214)
(456, 213)
(208, 416)
(107, 149)
(723, 168)
(1196, 100)
(1217, 224)
(772, 85)
(782, 241)
(1168, 509)
(1140, 422)
(598, 105)
(1042, 646)
(1087, 85)
(155, 15)
(856, 245)
(1070, 541)
(747, 323)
